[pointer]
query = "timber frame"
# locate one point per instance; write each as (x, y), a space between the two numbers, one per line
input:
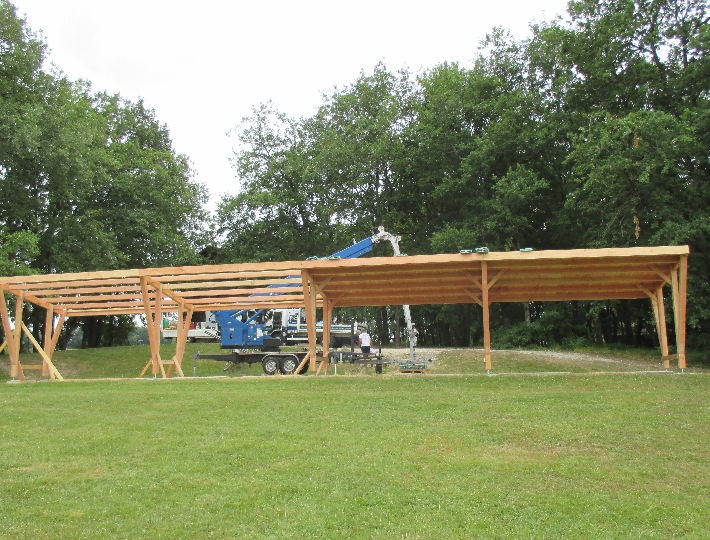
(149, 292)
(484, 278)
(481, 278)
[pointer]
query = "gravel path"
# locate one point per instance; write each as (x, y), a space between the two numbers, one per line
(578, 358)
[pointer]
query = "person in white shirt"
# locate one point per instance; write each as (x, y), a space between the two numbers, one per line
(365, 341)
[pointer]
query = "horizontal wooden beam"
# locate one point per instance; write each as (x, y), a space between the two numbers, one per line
(283, 274)
(277, 284)
(219, 269)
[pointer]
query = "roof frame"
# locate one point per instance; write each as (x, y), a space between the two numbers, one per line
(482, 278)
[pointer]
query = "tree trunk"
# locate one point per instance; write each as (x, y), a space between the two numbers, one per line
(65, 337)
(397, 329)
(384, 328)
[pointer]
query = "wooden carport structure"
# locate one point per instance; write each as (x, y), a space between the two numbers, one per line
(520, 276)
(149, 292)
(482, 278)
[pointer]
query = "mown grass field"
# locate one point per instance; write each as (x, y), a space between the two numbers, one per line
(580, 455)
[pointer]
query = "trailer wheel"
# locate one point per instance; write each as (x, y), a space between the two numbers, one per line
(289, 364)
(270, 364)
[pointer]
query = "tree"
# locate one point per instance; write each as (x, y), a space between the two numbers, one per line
(593, 132)
(87, 181)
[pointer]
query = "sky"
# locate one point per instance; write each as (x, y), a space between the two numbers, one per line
(203, 65)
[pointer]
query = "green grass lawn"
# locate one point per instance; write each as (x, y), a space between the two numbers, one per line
(128, 362)
(556, 456)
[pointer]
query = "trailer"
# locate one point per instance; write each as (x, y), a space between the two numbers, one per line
(256, 336)
(271, 361)
(371, 359)
(360, 359)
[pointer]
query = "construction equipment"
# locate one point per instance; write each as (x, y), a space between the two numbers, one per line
(245, 331)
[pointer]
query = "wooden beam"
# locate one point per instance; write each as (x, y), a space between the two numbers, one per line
(497, 276)
(157, 324)
(55, 335)
(486, 316)
(72, 277)
(175, 297)
(251, 304)
(68, 291)
(263, 284)
(473, 278)
(291, 275)
(152, 319)
(17, 337)
(248, 298)
(310, 305)
(327, 321)
(76, 306)
(680, 338)
(165, 272)
(48, 329)
(108, 312)
(659, 314)
(9, 338)
(303, 363)
(663, 275)
(57, 284)
(683, 289)
(319, 288)
(475, 297)
(183, 329)
(52, 370)
(195, 292)
(662, 320)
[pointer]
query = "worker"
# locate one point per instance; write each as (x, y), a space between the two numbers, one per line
(365, 341)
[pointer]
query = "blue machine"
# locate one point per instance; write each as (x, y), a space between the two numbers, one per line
(240, 329)
(237, 334)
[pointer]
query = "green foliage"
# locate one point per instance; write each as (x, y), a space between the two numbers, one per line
(310, 187)
(594, 132)
(17, 252)
(87, 181)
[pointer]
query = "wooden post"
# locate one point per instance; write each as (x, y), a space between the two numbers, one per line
(54, 374)
(679, 306)
(152, 319)
(182, 329)
(157, 324)
(683, 300)
(9, 335)
(662, 332)
(16, 339)
(310, 301)
(656, 318)
(659, 314)
(48, 331)
(327, 321)
(486, 316)
(55, 335)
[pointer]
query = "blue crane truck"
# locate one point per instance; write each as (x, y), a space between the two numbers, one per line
(243, 331)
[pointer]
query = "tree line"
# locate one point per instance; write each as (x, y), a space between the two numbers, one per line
(592, 132)
(88, 181)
